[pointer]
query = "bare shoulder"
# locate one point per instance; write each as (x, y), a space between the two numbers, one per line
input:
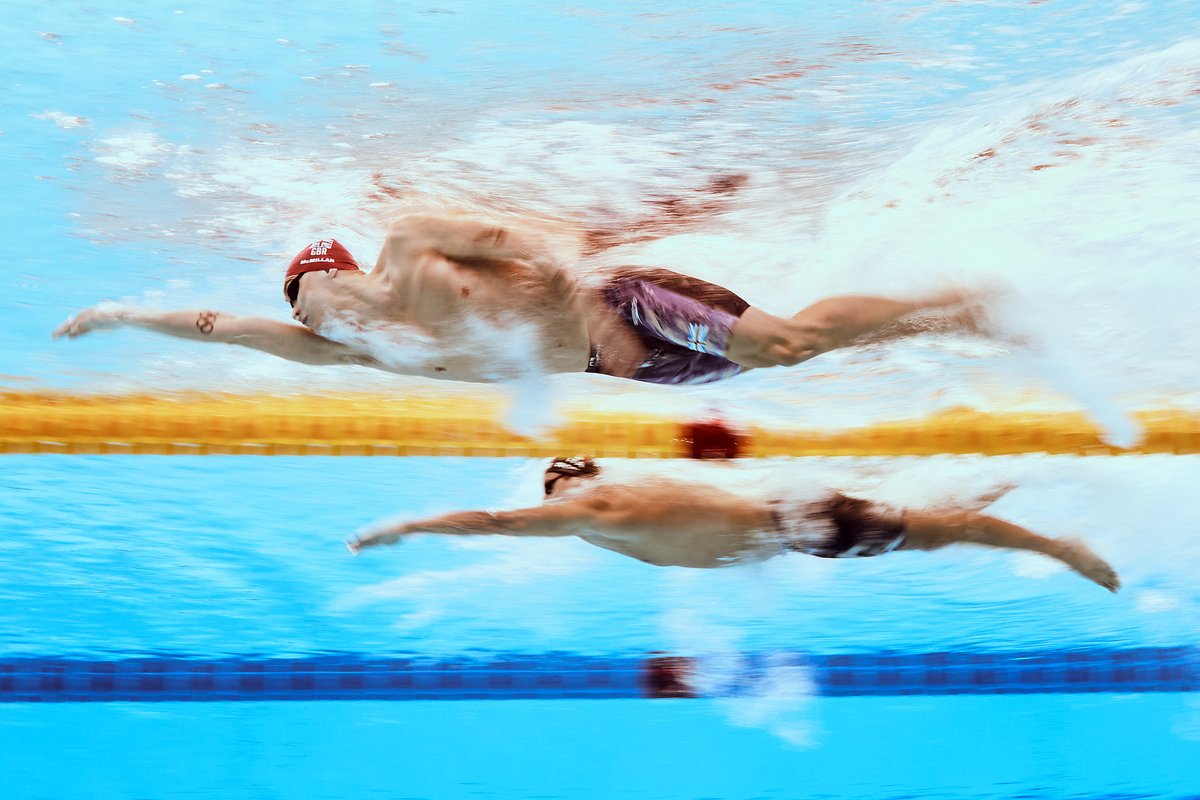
(423, 219)
(616, 502)
(414, 230)
(413, 218)
(598, 500)
(664, 487)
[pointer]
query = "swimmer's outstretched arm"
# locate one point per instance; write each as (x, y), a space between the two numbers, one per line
(293, 342)
(555, 519)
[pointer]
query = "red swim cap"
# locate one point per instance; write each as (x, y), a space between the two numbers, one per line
(322, 255)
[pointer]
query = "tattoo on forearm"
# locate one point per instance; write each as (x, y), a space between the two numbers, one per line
(206, 321)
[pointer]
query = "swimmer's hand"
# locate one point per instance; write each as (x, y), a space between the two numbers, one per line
(375, 537)
(97, 318)
(1079, 557)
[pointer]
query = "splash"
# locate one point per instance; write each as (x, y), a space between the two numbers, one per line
(1074, 191)
(771, 692)
(400, 348)
(63, 120)
(1073, 194)
(506, 348)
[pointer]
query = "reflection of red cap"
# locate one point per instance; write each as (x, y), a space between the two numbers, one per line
(668, 676)
(713, 439)
(325, 254)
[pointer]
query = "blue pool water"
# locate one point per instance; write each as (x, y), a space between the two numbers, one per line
(193, 627)
(244, 555)
(1090, 746)
(962, 673)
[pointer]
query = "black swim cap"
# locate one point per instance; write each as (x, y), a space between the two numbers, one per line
(573, 467)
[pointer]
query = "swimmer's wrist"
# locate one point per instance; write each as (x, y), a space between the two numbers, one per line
(132, 315)
(110, 315)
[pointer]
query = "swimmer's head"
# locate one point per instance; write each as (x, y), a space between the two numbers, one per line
(573, 467)
(319, 256)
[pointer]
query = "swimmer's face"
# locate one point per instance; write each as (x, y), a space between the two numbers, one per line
(557, 484)
(309, 294)
(554, 482)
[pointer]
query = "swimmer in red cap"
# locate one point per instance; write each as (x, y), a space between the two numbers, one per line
(463, 298)
(672, 523)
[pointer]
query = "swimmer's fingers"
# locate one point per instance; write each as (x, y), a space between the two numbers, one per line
(1080, 558)
(372, 539)
(358, 543)
(75, 326)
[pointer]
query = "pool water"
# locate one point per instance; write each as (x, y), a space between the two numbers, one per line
(215, 555)
(172, 567)
(193, 626)
(1013, 746)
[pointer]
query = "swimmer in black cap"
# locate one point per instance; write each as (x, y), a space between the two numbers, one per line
(571, 467)
(688, 524)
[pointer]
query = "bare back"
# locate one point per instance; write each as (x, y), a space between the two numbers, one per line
(669, 523)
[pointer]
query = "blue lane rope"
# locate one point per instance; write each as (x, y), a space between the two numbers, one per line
(30, 679)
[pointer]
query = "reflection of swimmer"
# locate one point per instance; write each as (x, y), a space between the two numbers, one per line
(439, 274)
(673, 523)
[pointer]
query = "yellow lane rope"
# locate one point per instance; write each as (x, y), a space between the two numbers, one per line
(41, 422)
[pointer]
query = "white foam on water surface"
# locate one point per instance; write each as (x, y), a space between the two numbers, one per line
(1070, 195)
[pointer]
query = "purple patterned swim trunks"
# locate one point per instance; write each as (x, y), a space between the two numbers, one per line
(684, 323)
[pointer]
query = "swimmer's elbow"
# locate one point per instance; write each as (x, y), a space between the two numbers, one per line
(407, 224)
(411, 234)
(515, 523)
(235, 329)
(400, 233)
(293, 342)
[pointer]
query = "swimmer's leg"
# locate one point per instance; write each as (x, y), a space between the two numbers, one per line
(763, 340)
(929, 531)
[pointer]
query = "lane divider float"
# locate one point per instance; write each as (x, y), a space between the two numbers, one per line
(566, 676)
(220, 424)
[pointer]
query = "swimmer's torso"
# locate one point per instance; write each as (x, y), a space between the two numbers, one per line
(476, 321)
(673, 524)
